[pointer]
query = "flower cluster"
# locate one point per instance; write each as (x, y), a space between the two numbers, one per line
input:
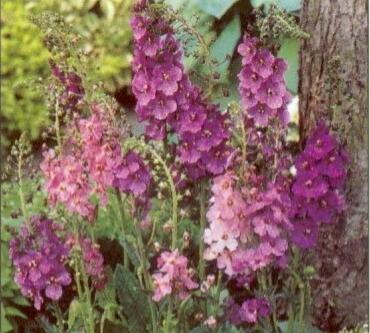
(174, 276)
(90, 163)
(94, 263)
(39, 255)
(169, 102)
(317, 197)
(262, 87)
(67, 183)
(249, 312)
(73, 90)
(247, 226)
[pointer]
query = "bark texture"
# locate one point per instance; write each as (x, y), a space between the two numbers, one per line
(333, 86)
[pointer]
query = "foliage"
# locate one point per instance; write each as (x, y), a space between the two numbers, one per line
(103, 27)
(23, 59)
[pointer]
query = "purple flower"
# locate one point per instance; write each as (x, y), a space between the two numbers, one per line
(138, 24)
(305, 233)
(279, 68)
(317, 190)
(272, 94)
(38, 252)
(156, 129)
(166, 77)
(162, 106)
(143, 88)
(262, 81)
(261, 114)
(188, 151)
(262, 63)
(250, 79)
(309, 187)
(177, 107)
(253, 309)
(193, 119)
(133, 176)
(247, 49)
(215, 159)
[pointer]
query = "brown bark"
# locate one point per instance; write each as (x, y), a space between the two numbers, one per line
(333, 86)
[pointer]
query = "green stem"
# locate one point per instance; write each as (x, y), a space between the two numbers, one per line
(202, 227)
(59, 317)
(20, 183)
(173, 196)
(80, 271)
(123, 215)
(57, 127)
(169, 317)
(145, 270)
(301, 310)
(291, 319)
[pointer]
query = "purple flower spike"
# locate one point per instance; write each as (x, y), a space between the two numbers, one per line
(39, 254)
(262, 81)
(317, 190)
(170, 103)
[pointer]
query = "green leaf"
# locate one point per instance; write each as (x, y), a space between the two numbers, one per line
(288, 5)
(6, 325)
(223, 48)
(20, 300)
(215, 8)
(133, 299)
(75, 311)
(308, 328)
(11, 311)
(290, 52)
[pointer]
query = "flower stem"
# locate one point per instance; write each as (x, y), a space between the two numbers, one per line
(173, 196)
(80, 271)
(202, 221)
(20, 183)
(169, 316)
(301, 310)
(122, 212)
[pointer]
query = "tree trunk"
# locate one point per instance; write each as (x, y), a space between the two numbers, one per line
(333, 86)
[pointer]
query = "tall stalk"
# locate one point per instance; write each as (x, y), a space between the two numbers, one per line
(202, 220)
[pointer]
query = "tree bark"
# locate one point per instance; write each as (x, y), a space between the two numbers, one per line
(333, 86)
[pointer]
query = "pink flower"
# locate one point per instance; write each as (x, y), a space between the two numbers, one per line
(173, 276)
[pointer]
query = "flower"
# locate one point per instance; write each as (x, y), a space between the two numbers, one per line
(253, 309)
(171, 104)
(90, 163)
(317, 190)
(246, 232)
(39, 254)
(262, 86)
(173, 276)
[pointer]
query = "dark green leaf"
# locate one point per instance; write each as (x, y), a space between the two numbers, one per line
(132, 298)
